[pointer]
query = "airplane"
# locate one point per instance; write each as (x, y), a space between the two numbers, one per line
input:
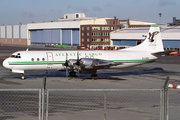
(87, 61)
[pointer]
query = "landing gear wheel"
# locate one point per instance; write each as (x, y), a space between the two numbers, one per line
(72, 74)
(94, 77)
(22, 76)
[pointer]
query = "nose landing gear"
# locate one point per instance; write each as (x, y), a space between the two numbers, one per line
(22, 76)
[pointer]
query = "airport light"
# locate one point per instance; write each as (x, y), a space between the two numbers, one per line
(160, 17)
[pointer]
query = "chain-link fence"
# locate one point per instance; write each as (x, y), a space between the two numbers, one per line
(103, 104)
(20, 104)
(174, 104)
(89, 104)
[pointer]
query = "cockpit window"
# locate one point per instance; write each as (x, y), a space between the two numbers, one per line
(15, 56)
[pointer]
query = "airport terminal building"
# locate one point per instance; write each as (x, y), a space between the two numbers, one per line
(77, 30)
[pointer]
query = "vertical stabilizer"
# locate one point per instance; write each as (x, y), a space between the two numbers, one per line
(153, 41)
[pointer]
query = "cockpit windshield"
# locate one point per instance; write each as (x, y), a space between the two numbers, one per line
(16, 56)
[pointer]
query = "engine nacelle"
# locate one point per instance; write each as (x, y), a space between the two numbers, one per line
(87, 63)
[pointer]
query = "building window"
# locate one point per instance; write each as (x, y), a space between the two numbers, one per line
(82, 39)
(96, 40)
(95, 28)
(105, 28)
(95, 34)
(87, 34)
(87, 28)
(82, 28)
(105, 40)
(82, 34)
(88, 45)
(87, 39)
(114, 28)
(105, 34)
(82, 44)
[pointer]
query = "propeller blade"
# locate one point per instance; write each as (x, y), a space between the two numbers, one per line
(78, 63)
(66, 64)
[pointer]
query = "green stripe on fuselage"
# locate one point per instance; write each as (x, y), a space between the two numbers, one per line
(30, 62)
(59, 62)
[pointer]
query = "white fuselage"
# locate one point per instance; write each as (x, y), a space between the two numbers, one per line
(54, 60)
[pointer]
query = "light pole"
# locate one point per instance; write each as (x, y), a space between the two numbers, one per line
(160, 17)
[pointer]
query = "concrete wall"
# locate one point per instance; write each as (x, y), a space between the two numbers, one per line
(13, 34)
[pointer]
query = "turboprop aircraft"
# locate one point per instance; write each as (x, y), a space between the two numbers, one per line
(87, 61)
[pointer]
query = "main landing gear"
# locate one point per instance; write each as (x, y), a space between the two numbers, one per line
(72, 74)
(94, 76)
(22, 76)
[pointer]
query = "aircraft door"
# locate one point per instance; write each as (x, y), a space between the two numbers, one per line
(50, 60)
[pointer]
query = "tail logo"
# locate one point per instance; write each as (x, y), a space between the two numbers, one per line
(151, 36)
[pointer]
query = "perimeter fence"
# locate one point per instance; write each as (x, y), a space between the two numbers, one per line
(89, 104)
(20, 104)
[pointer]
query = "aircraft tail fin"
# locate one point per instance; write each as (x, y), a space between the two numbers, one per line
(153, 41)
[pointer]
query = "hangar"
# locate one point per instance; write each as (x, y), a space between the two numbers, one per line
(69, 31)
(66, 33)
(134, 36)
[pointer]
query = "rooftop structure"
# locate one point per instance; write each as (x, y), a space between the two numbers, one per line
(176, 22)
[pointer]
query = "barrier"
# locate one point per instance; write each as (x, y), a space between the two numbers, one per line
(96, 104)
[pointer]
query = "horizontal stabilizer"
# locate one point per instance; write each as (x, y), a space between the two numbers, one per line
(162, 53)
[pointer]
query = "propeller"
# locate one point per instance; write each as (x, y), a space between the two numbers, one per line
(78, 62)
(66, 64)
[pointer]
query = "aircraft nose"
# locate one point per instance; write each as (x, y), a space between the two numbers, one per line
(5, 63)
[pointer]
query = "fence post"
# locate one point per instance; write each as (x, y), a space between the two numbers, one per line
(43, 98)
(161, 104)
(47, 104)
(165, 90)
(40, 92)
(104, 105)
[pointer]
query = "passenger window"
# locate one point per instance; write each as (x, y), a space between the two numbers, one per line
(43, 59)
(32, 59)
(37, 59)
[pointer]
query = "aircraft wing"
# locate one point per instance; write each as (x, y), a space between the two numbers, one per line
(91, 63)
